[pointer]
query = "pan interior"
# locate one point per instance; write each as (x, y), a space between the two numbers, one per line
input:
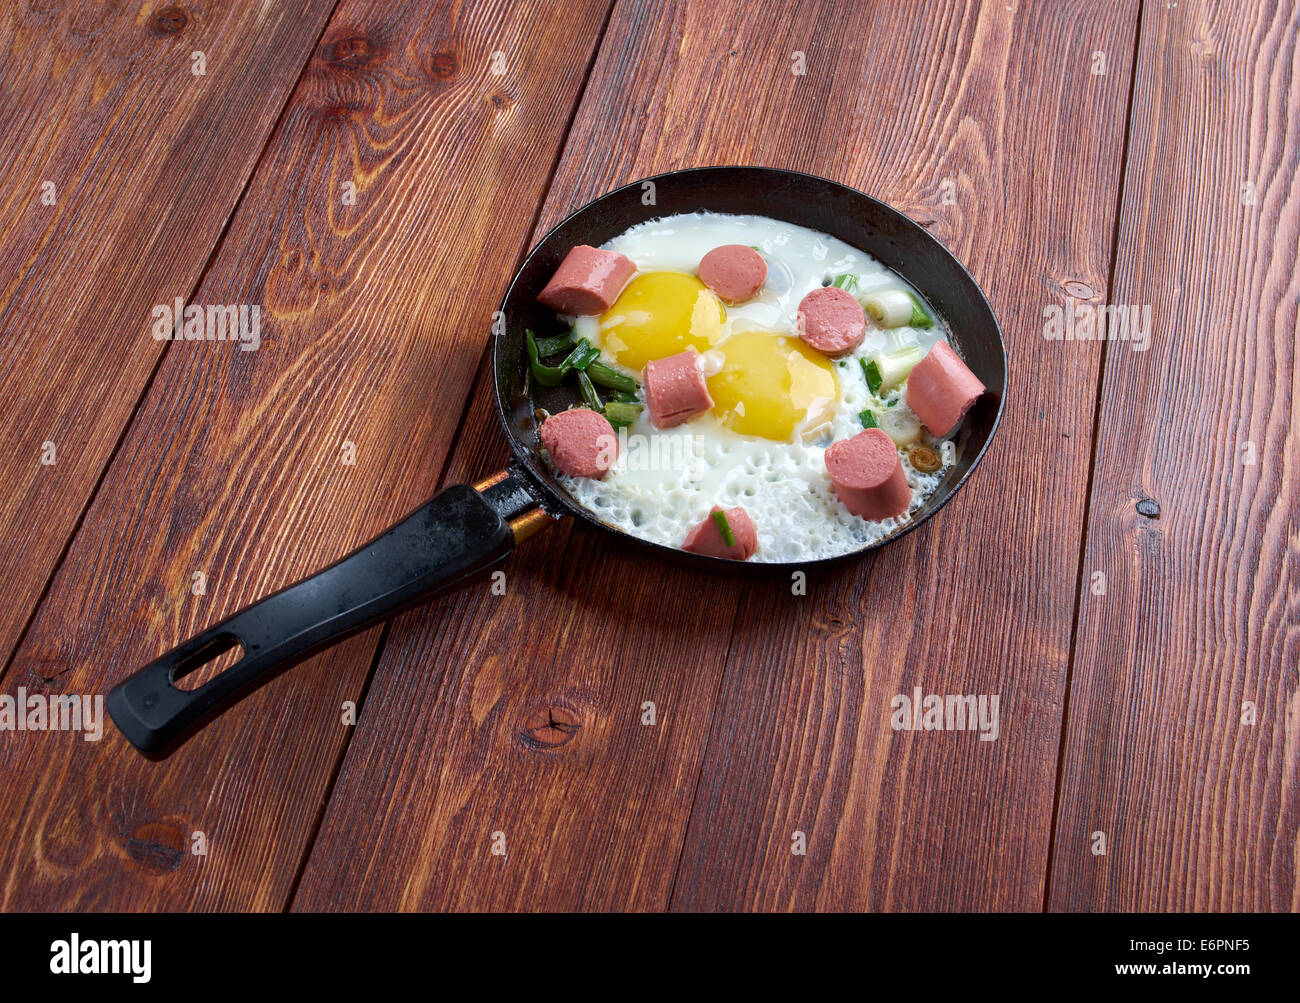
(803, 199)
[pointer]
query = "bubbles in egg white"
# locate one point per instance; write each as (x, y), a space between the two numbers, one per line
(667, 480)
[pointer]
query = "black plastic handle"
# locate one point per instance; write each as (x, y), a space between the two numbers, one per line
(443, 545)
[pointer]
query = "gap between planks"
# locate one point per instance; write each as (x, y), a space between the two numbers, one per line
(1092, 468)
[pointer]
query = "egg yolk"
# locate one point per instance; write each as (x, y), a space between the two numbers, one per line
(660, 314)
(771, 385)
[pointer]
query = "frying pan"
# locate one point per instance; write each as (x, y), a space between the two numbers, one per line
(466, 531)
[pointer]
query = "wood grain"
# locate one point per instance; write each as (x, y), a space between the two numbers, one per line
(1199, 808)
(772, 711)
(146, 159)
(374, 316)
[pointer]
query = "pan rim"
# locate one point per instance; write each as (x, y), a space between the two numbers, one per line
(570, 506)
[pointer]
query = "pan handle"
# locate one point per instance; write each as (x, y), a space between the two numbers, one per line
(456, 537)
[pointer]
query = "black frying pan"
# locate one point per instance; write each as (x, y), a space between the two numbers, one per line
(464, 532)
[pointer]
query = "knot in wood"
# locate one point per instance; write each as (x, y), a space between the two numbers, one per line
(168, 20)
(549, 727)
(157, 846)
(352, 50)
(444, 65)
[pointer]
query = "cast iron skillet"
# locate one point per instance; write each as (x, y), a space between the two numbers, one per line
(464, 531)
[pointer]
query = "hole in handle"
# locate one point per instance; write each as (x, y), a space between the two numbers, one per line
(207, 663)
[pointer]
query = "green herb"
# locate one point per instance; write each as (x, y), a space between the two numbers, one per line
(621, 413)
(724, 527)
(547, 376)
(611, 378)
(554, 346)
(919, 318)
(848, 281)
(589, 394)
(623, 396)
(868, 418)
(872, 372)
(584, 354)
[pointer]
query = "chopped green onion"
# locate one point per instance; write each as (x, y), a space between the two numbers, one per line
(554, 346)
(547, 376)
(724, 527)
(584, 354)
(847, 281)
(868, 418)
(609, 377)
(889, 369)
(589, 394)
(872, 372)
(900, 426)
(920, 317)
(889, 307)
(622, 396)
(621, 413)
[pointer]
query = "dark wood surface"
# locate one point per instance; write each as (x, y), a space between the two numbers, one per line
(146, 160)
(516, 720)
(1200, 804)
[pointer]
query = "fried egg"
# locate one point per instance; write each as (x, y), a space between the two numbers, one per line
(659, 314)
(771, 385)
(777, 403)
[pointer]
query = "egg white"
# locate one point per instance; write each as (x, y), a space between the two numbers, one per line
(667, 480)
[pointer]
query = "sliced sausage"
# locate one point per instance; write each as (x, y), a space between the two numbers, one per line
(831, 320)
(706, 537)
(581, 442)
(868, 475)
(588, 281)
(733, 271)
(940, 389)
(675, 390)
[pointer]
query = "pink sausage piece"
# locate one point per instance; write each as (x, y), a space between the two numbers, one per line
(675, 390)
(588, 281)
(868, 476)
(940, 389)
(706, 538)
(733, 271)
(581, 442)
(832, 321)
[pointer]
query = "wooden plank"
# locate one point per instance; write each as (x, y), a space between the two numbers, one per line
(374, 318)
(144, 159)
(799, 689)
(1199, 806)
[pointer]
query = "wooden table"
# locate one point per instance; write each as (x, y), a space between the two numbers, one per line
(1121, 571)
